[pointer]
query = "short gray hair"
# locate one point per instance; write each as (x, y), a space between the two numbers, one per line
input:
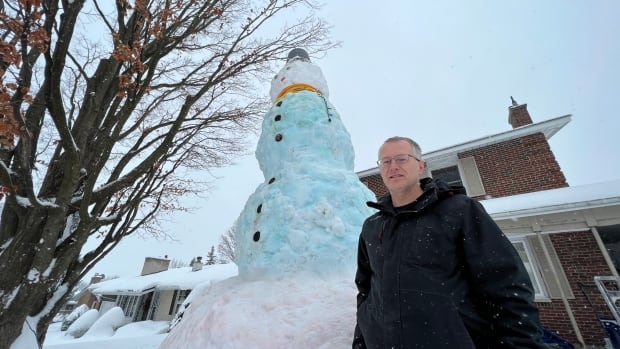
(417, 151)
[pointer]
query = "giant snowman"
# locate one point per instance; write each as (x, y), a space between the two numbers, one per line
(296, 236)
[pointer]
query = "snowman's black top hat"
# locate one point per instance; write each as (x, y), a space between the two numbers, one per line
(298, 53)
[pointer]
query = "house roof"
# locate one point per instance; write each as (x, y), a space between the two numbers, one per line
(558, 210)
(448, 156)
(171, 279)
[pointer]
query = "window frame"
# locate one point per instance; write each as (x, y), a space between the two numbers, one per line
(534, 271)
(129, 304)
(181, 296)
(451, 170)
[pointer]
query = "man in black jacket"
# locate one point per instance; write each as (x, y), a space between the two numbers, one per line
(434, 270)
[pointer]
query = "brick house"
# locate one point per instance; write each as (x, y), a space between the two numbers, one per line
(87, 297)
(565, 235)
(83, 297)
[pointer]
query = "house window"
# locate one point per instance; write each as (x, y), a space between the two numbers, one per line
(178, 298)
(129, 304)
(532, 270)
(181, 296)
(449, 175)
(154, 306)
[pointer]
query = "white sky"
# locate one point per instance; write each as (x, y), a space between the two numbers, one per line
(440, 73)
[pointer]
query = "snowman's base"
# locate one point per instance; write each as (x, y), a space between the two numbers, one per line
(296, 312)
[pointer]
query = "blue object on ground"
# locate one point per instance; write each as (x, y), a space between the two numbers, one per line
(553, 340)
(613, 332)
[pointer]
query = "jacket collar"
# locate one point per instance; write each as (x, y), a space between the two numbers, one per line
(433, 190)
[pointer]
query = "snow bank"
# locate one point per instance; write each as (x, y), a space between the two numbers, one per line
(74, 315)
(83, 323)
(107, 324)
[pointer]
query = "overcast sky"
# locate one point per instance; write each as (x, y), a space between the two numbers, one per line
(441, 73)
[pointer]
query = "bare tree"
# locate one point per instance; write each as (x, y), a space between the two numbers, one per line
(104, 110)
(176, 263)
(227, 247)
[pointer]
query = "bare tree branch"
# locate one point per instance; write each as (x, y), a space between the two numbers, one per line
(227, 246)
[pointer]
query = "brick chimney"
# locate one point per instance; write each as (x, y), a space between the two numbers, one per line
(518, 115)
(154, 265)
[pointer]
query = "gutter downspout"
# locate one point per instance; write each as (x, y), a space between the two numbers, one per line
(569, 311)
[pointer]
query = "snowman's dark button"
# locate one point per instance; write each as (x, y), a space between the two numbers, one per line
(256, 236)
(278, 117)
(279, 103)
(272, 180)
(259, 208)
(278, 137)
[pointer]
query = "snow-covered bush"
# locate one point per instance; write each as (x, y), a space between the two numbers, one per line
(107, 324)
(59, 318)
(74, 315)
(179, 314)
(83, 323)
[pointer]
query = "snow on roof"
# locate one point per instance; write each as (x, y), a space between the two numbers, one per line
(554, 200)
(171, 279)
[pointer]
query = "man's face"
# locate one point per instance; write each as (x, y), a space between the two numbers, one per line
(401, 177)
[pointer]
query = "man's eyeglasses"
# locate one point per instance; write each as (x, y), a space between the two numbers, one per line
(398, 159)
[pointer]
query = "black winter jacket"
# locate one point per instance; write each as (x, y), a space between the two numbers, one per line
(441, 274)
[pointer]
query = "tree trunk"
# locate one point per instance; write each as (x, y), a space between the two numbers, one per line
(34, 283)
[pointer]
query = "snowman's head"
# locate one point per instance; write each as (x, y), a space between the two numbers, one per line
(298, 71)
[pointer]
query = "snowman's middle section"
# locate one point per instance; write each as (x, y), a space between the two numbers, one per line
(307, 214)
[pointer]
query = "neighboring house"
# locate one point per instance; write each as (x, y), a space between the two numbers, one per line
(565, 235)
(82, 297)
(158, 292)
(86, 296)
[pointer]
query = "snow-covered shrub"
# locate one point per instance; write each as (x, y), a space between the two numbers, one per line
(107, 324)
(74, 315)
(59, 318)
(83, 323)
(199, 289)
(179, 314)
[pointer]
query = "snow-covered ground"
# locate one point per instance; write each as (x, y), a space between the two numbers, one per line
(287, 313)
(302, 312)
(139, 335)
